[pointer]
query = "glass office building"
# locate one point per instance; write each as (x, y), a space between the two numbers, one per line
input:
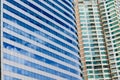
(39, 40)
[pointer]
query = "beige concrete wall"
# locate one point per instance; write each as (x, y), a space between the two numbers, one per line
(80, 39)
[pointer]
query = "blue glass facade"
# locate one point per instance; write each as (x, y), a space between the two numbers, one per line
(39, 40)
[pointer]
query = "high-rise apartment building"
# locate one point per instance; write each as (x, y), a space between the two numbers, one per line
(39, 40)
(99, 38)
(110, 20)
(94, 55)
